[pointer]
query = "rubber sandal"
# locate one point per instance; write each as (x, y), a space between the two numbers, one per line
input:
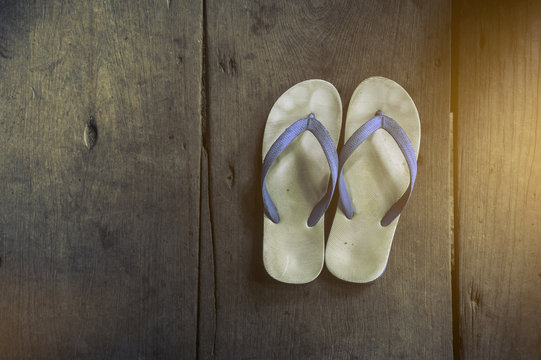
(299, 174)
(378, 167)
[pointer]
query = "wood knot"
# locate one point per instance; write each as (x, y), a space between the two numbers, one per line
(91, 133)
(475, 299)
(230, 178)
(228, 65)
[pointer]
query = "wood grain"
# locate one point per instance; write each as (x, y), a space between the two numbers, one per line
(499, 179)
(256, 51)
(99, 247)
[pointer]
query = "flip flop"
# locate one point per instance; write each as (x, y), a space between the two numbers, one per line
(378, 166)
(299, 174)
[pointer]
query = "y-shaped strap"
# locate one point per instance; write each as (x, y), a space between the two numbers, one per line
(380, 121)
(322, 135)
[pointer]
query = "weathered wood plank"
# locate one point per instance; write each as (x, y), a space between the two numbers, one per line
(499, 179)
(257, 50)
(99, 248)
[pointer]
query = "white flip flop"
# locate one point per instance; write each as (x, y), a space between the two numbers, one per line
(378, 170)
(299, 174)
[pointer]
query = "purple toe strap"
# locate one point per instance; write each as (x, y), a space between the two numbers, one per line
(380, 121)
(311, 124)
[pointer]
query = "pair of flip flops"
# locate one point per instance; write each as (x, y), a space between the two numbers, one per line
(373, 177)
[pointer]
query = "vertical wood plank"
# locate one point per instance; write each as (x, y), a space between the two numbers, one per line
(499, 179)
(257, 50)
(99, 248)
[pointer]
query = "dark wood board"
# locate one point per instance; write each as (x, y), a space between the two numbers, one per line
(99, 247)
(254, 52)
(499, 179)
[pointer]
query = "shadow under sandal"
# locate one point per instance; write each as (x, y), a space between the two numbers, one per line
(299, 174)
(378, 167)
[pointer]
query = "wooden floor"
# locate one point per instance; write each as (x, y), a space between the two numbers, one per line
(131, 216)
